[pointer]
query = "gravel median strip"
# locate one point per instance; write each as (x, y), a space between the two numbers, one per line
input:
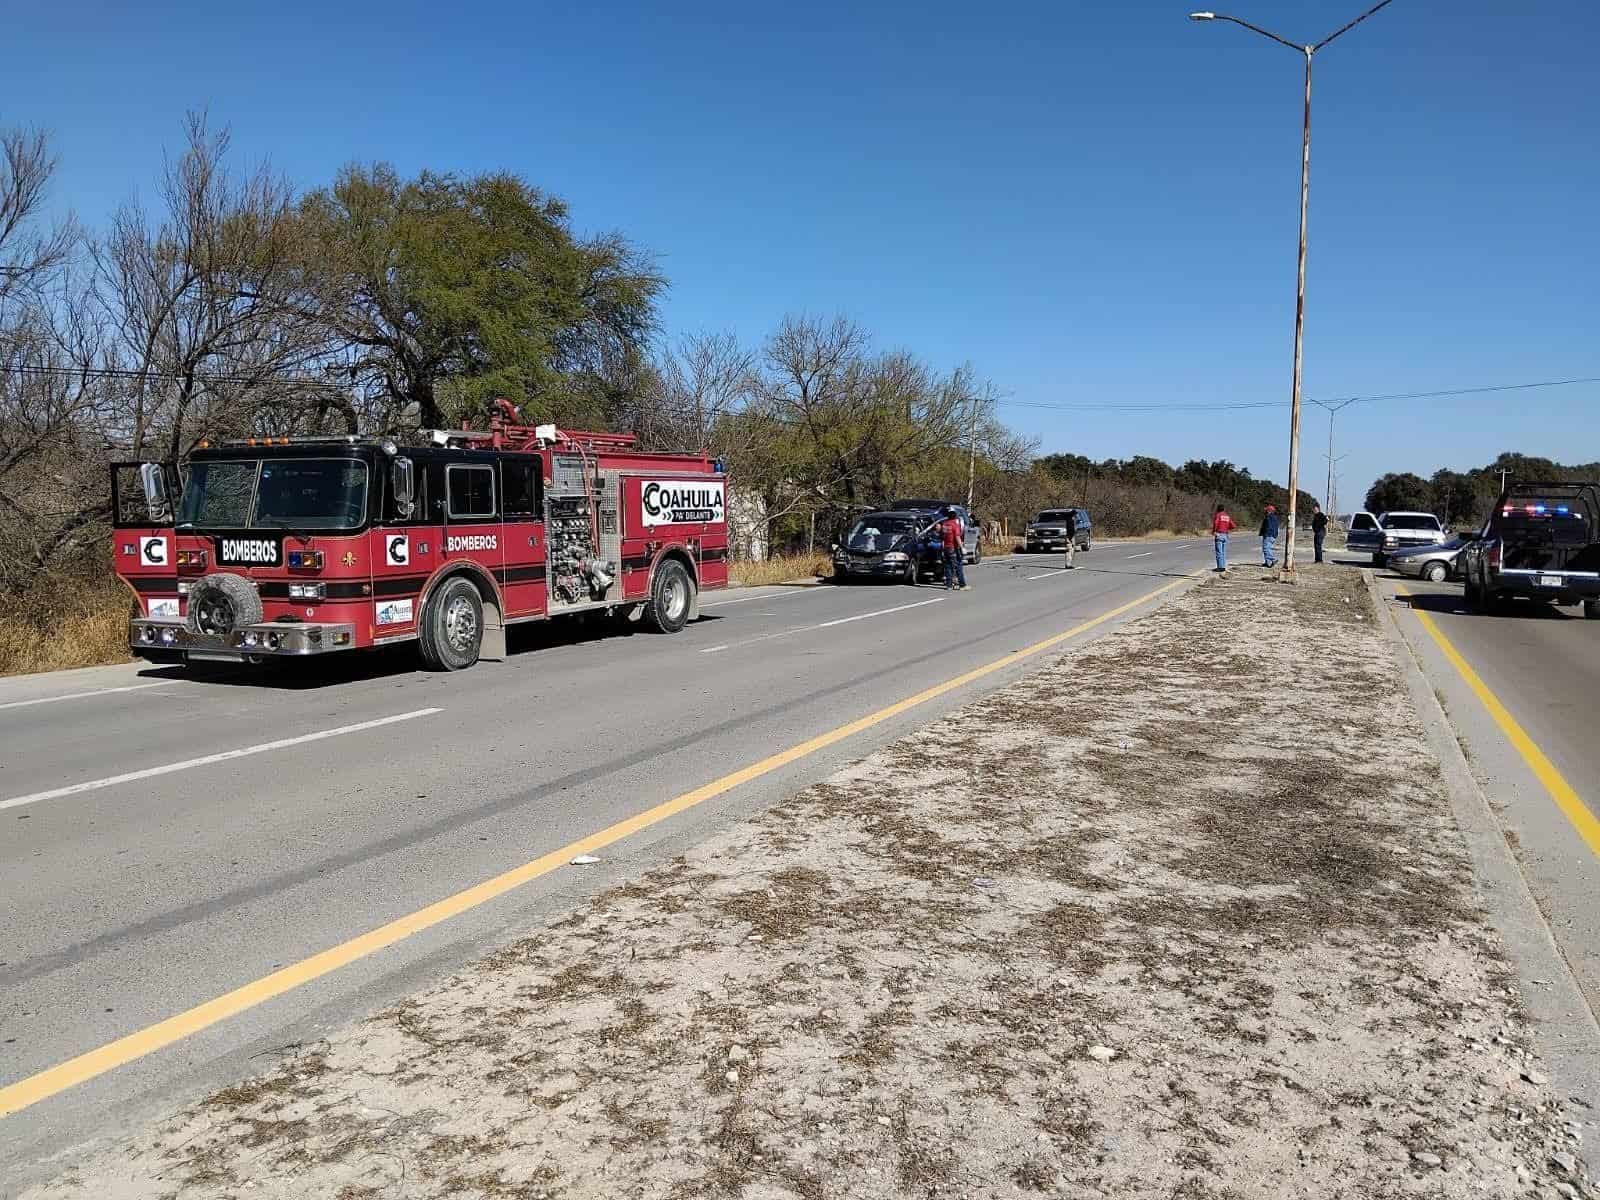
(1135, 926)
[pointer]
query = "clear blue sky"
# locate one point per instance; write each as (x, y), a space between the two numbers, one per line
(1090, 203)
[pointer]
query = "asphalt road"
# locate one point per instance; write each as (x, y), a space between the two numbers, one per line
(1543, 664)
(144, 870)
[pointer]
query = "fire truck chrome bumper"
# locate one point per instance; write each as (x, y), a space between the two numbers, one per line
(282, 640)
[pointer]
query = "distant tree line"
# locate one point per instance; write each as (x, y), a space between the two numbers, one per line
(1464, 497)
(233, 303)
(1220, 479)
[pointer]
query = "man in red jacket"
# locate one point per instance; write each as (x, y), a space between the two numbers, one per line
(955, 551)
(1221, 524)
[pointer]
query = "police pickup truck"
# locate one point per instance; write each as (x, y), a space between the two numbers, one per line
(1541, 542)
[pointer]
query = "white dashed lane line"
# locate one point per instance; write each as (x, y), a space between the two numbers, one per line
(90, 785)
(767, 637)
(137, 687)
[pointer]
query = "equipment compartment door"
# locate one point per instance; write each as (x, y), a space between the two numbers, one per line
(522, 505)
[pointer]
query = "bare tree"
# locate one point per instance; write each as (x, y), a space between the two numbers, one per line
(206, 305)
(31, 258)
(49, 393)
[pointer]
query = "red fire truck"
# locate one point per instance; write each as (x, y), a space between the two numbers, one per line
(289, 547)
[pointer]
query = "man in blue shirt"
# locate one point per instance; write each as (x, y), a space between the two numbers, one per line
(1269, 536)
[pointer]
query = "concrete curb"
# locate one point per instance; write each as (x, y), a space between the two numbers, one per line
(1563, 1026)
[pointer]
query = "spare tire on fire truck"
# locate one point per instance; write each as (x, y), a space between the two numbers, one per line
(450, 633)
(671, 598)
(221, 603)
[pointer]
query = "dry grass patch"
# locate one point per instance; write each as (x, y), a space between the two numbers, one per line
(780, 569)
(62, 622)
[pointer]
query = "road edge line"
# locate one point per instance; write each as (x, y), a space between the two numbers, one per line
(52, 1081)
(1499, 882)
(1583, 822)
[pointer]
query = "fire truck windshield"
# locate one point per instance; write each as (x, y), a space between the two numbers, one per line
(293, 493)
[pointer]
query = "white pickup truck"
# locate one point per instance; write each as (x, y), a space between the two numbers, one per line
(1403, 530)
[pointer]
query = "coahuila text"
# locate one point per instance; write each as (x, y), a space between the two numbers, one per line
(681, 503)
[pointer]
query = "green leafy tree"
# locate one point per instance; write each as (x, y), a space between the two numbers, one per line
(1397, 492)
(1455, 497)
(444, 292)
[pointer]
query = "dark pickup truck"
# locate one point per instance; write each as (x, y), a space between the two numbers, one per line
(1541, 542)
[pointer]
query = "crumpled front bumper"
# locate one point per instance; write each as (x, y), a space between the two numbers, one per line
(275, 639)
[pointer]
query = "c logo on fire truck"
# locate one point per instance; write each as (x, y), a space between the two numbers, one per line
(675, 502)
(153, 550)
(397, 550)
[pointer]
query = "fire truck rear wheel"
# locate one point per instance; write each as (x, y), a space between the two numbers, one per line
(451, 632)
(671, 596)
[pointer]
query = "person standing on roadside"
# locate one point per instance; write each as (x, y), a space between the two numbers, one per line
(952, 538)
(1319, 529)
(1269, 536)
(1221, 525)
(1071, 524)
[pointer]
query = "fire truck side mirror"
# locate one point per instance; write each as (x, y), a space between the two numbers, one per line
(403, 485)
(154, 480)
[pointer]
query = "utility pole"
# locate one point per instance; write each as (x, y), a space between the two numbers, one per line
(1308, 51)
(972, 453)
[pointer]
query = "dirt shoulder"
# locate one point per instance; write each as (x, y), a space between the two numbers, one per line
(1128, 928)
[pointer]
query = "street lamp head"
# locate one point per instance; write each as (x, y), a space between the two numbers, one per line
(1203, 16)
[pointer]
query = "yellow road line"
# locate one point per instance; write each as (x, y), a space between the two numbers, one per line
(136, 1045)
(1567, 800)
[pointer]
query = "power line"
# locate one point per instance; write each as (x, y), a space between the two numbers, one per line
(1230, 406)
(238, 380)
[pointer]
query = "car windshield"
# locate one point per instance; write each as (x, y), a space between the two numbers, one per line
(879, 532)
(1051, 515)
(1411, 521)
(300, 493)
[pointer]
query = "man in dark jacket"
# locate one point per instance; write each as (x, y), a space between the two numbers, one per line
(1319, 529)
(1269, 536)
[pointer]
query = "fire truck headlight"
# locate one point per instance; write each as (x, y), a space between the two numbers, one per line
(274, 640)
(250, 638)
(168, 636)
(308, 591)
(147, 634)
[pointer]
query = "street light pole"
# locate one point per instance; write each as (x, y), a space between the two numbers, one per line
(1331, 407)
(1300, 289)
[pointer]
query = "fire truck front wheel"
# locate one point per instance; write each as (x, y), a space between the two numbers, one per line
(451, 631)
(671, 594)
